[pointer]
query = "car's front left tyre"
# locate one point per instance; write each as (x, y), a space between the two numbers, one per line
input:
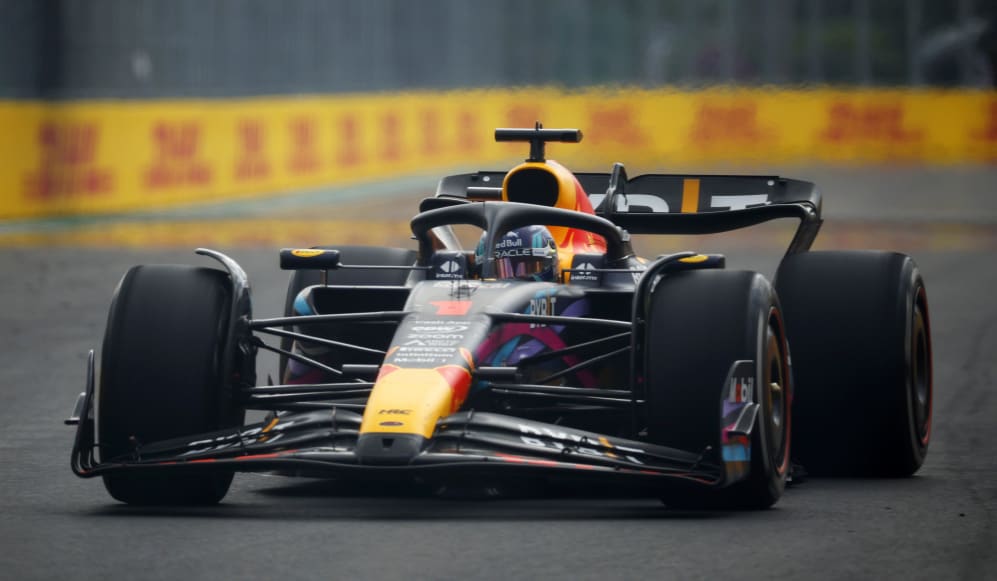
(698, 324)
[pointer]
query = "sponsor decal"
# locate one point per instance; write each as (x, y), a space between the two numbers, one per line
(349, 137)
(429, 130)
(738, 202)
(659, 206)
(542, 306)
(584, 271)
(885, 122)
(394, 412)
(510, 246)
(391, 136)
(68, 166)
(617, 124)
(414, 352)
(441, 327)
(448, 265)
(625, 202)
(510, 241)
(178, 160)
(306, 252)
(304, 154)
(454, 308)
(552, 439)
(742, 389)
(98, 157)
(237, 439)
(252, 161)
(451, 267)
(472, 285)
(469, 131)
(731, 124)
(434, 340)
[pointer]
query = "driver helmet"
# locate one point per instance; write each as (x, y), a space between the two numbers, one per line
(527, 253)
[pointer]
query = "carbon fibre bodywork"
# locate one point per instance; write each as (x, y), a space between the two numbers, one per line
(455, 373)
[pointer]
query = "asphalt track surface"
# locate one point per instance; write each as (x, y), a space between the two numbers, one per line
(940, 524)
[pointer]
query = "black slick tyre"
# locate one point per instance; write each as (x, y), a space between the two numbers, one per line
(161, 377)
(699, 324)
(858, 323)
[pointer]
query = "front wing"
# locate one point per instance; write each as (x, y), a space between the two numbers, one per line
(468, 444)
(465, 443)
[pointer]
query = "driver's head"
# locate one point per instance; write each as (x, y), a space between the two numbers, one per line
(527, 253)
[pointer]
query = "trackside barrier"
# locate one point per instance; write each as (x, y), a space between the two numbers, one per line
(95, 157)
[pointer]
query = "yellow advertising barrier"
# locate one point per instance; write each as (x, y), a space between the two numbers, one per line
(95, 157)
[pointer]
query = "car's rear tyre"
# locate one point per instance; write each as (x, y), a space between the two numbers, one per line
(699, 324)
(858, 323)
(161, 377)
(368, 255)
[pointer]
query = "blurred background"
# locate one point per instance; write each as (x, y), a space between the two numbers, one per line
(124, 49)
(120, 113)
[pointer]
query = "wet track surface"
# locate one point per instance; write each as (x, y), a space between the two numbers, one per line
(941, 524)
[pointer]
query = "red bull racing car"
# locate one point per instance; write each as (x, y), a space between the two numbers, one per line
(549, 351)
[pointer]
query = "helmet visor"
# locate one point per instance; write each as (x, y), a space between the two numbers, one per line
(524, 267)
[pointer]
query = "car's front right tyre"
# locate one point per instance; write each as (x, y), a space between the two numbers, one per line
(161, 378)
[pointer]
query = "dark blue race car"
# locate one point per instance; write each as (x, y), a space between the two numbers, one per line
(547, 351)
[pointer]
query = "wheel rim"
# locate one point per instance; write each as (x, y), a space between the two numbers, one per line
(776, 382)
(920, 370)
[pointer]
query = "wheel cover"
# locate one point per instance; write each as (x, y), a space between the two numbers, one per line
(776, 393)
(920, 382)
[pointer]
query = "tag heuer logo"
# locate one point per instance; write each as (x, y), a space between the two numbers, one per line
(450, 267)
(585, 271)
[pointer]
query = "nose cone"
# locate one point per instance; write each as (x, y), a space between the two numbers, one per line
(388, 448)
(403, 409)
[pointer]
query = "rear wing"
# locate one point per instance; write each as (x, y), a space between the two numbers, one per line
(675, 203)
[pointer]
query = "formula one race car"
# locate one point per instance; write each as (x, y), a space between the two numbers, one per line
(549, 352)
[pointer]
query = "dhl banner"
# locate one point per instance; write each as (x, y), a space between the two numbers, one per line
(95, 157)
